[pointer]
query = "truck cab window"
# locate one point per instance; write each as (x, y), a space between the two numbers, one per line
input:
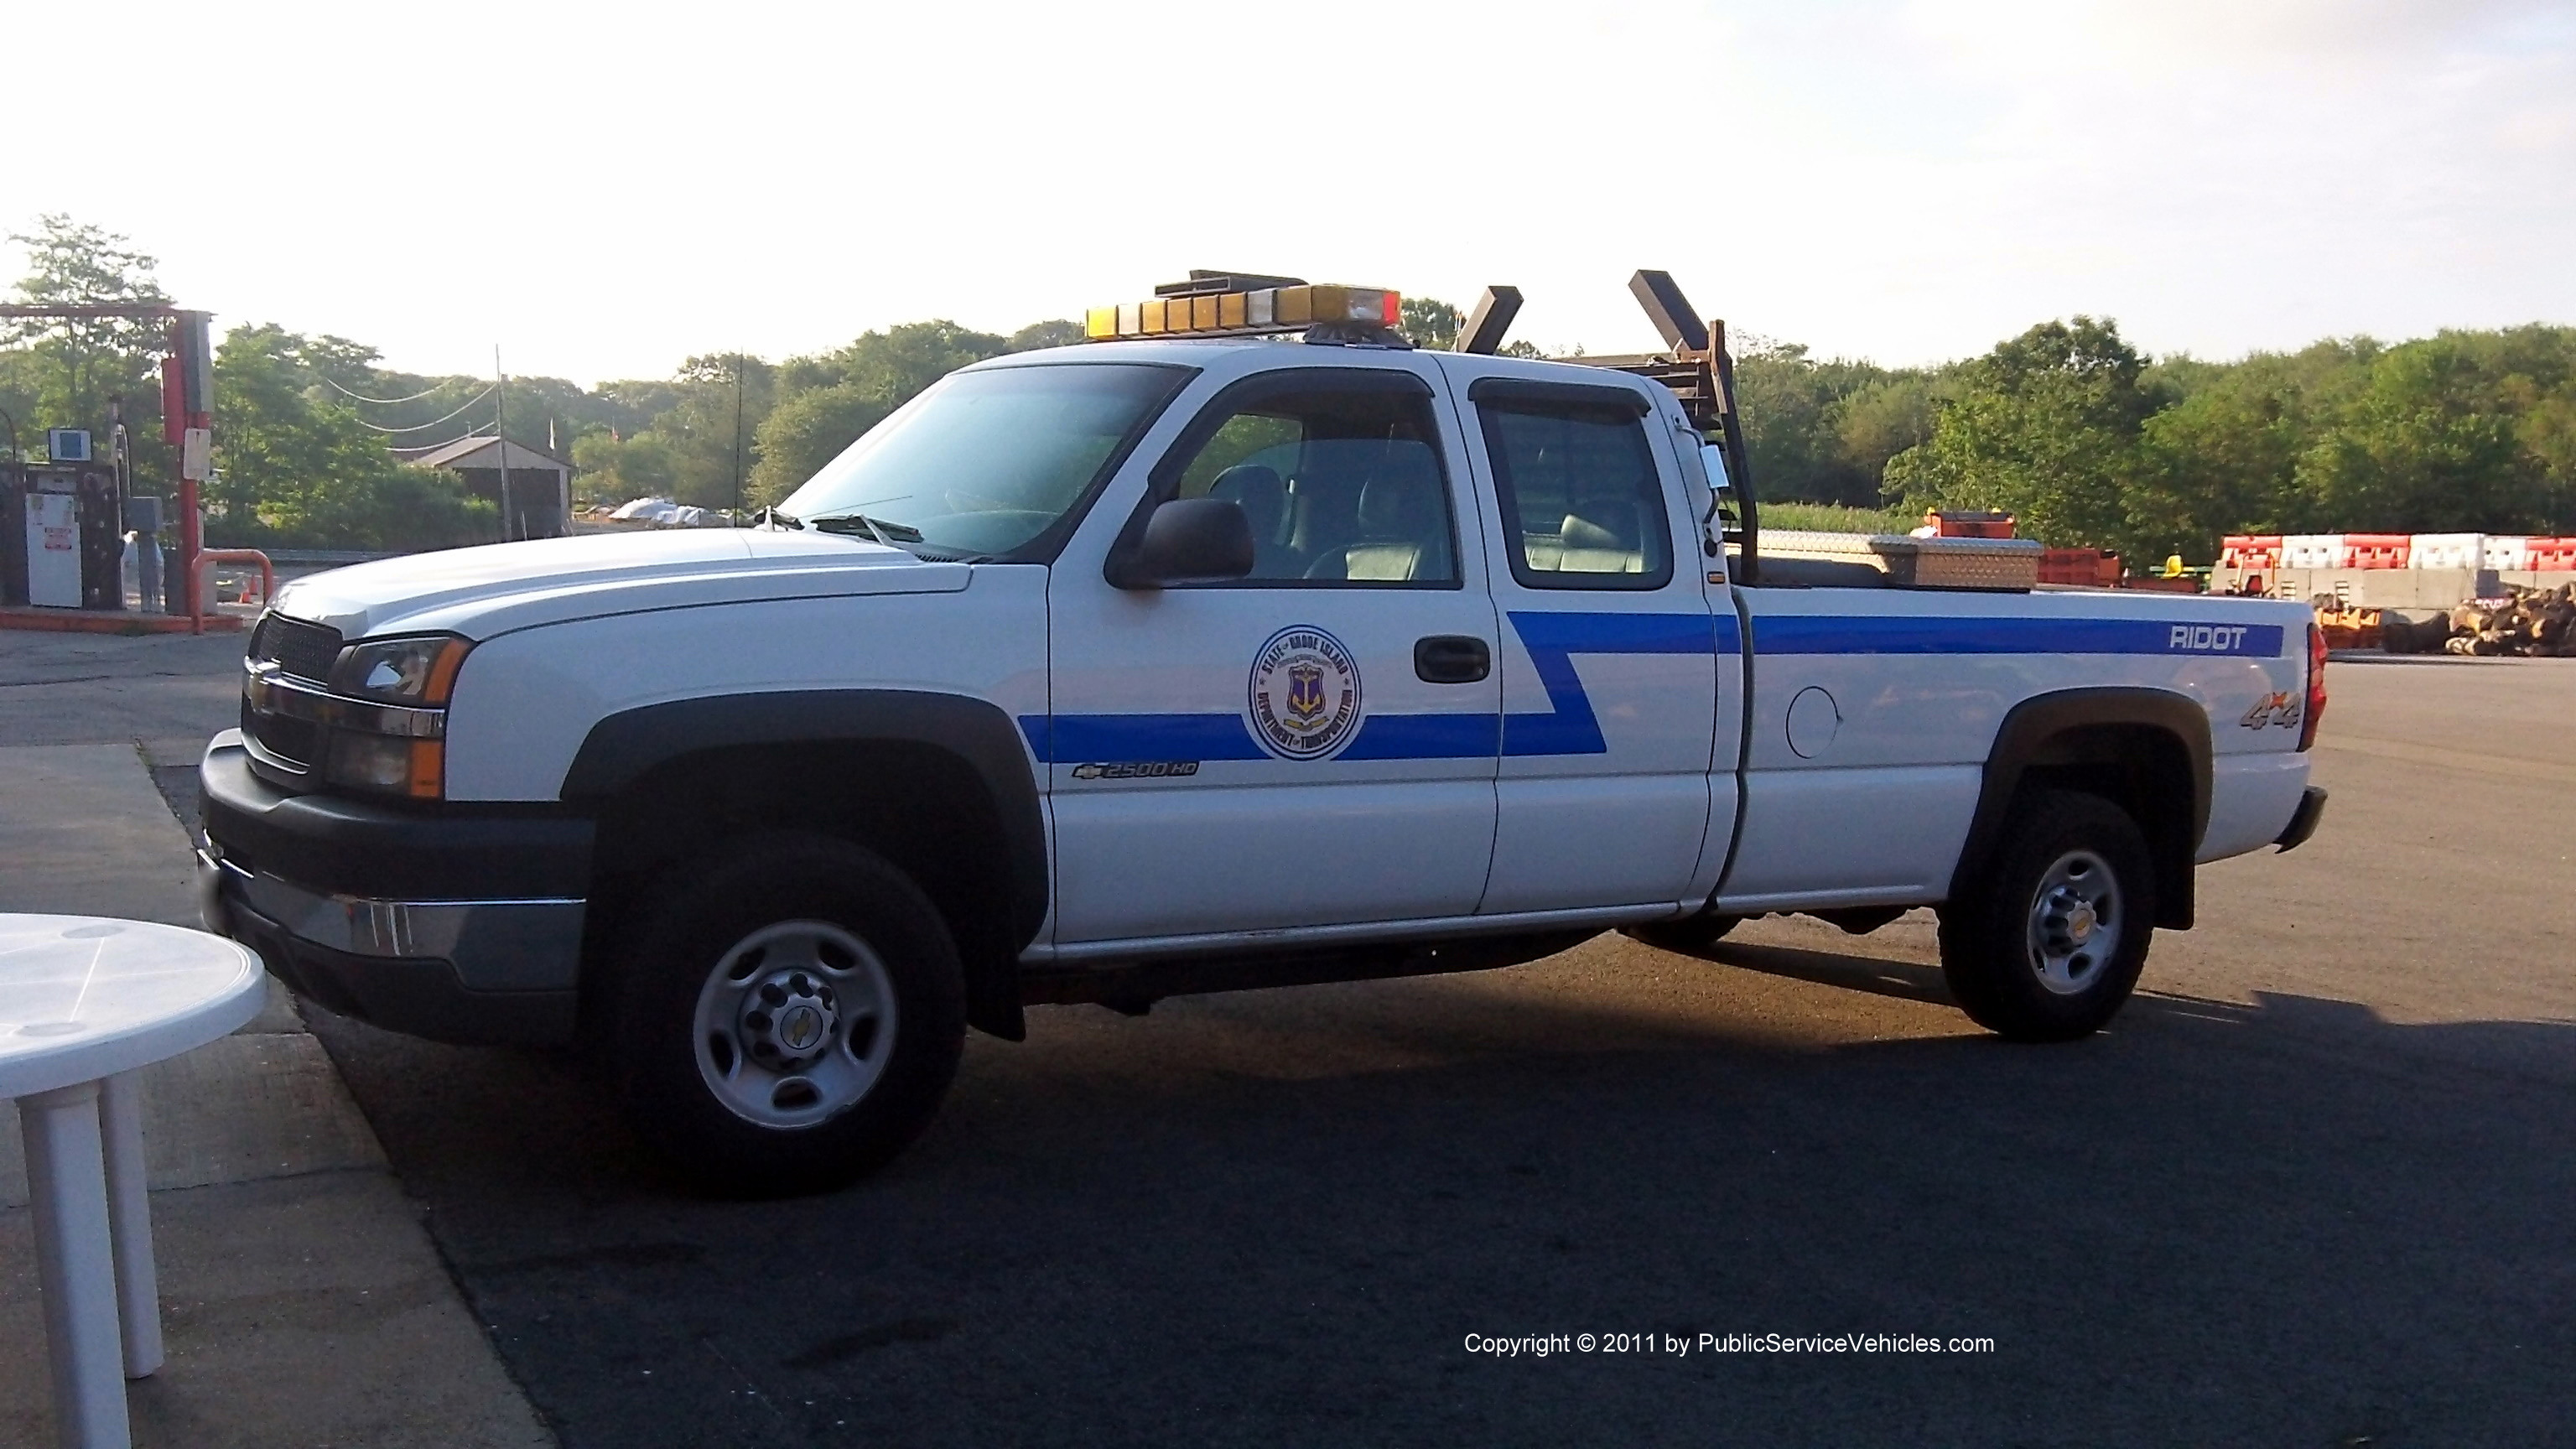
(1582, 505)
(1340, 487)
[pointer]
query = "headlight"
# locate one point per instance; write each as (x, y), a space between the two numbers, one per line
(393, 743)
(416, 671)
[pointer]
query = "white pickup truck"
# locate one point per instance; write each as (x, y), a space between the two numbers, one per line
(1199, 660)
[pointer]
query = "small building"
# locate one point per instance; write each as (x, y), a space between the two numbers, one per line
(540, 483)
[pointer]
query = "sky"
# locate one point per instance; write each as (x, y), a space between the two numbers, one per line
(600, 192)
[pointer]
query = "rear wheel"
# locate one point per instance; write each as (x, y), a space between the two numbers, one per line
(2050, 945)
(789, 1019)
(1690, 934)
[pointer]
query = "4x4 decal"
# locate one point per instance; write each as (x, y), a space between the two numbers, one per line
(2282, 709)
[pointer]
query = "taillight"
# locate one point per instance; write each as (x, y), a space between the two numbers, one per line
(2316, 686)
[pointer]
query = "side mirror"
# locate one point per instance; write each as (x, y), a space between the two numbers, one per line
(1712, 459)
(1186, 539)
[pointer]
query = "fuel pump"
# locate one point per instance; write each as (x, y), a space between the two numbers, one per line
(48, 536)
(102, 540)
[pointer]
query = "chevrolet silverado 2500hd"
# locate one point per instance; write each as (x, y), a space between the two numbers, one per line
(1199, 658)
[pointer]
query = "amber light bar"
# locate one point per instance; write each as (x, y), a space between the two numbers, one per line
(1259, 310)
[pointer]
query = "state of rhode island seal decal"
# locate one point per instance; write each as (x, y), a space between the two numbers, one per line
(1305, 693)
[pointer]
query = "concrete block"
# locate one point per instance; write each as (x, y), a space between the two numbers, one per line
(309, 1310)
(238, 1110)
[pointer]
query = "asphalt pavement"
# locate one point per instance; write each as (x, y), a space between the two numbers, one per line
(2313, 1189)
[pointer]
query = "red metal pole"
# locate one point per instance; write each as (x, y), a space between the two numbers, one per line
(192, 532)
(174, 431)
(191, 543)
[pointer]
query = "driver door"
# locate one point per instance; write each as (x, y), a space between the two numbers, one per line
(1310, 746)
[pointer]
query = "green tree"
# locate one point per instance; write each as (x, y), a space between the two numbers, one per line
(1823, 431)
(69, 367)
(2046, 426)
(610, 469)
(712, 430)
(1430, 322)
(1877, 421)
(2548, 429)
(853, 389)
(808, 431)
(2531, 373)
(2223, 458)
(899, 362)
(296, 470)
(1055, 332)
(2428, 446)
(22, 397)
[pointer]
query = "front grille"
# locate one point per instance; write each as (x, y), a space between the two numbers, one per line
(295, 647)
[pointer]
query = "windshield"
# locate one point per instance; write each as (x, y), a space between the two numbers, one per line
(982, 462)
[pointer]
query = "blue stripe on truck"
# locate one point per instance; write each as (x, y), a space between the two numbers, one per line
(1569, 727)
(1879, 634)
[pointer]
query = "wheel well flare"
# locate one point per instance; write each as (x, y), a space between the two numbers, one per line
(2146, 751)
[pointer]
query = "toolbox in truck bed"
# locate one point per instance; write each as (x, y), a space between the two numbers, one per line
(1907, 562)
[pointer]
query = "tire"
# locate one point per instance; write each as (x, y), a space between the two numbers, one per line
(1690, 935)
(788, 1018)
(2049, 945)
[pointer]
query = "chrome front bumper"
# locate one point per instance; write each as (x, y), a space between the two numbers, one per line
(496, 970)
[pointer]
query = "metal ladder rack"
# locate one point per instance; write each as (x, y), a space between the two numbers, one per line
(1695, 368)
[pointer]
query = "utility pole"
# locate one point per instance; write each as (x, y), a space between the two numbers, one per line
(501, 431)
(737, 432)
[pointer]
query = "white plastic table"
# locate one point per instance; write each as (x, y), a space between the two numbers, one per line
(84, 1003)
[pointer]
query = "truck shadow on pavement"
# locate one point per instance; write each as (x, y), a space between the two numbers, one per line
(1904, 980)
(1276, 1217)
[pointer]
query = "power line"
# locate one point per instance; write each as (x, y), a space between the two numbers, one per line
(425, 448)
(385, 401)
(423, 427)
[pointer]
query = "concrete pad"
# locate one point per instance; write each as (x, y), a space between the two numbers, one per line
(82, 832)
(306, 1310)
(302, 1301)
(237, 1110)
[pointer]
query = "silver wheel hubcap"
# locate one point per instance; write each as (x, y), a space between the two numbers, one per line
(2074, 922)
(794, 1024)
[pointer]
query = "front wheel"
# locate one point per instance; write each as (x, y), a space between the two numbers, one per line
(2050, 944)
(789, 1019)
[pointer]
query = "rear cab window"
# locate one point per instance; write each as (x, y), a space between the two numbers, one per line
(1574, 477)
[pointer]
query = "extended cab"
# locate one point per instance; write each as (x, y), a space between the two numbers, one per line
(1192, 663)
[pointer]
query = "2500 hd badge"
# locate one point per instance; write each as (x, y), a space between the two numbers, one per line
(1137, 770)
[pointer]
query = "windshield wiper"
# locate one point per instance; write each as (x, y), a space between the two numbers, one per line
(776, 518)
(884, 532)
